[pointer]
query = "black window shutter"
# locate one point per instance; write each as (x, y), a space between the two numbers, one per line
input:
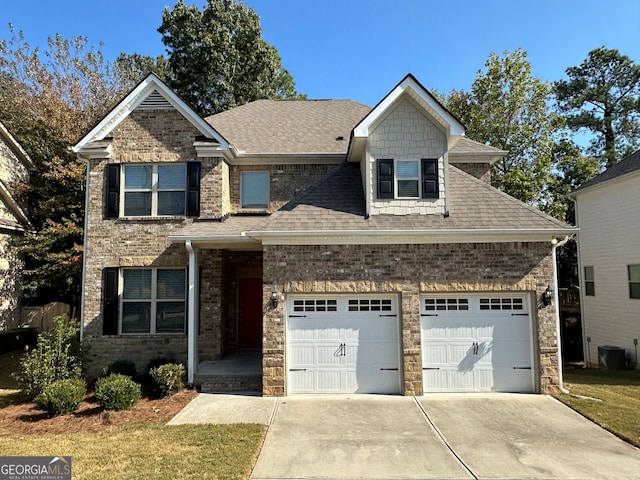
(111, 304)
(429, 178)
(113, 190)
(193, 189)
(385, 178)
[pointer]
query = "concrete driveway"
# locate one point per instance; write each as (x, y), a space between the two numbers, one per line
(467, 436)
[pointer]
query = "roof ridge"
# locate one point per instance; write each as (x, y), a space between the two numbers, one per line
(507, 197)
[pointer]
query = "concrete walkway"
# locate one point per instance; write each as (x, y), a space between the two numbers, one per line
(492, 436)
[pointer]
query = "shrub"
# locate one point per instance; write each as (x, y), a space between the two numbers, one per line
(56, 356)
(168, 379)
(117, 392)
(62, 396)
(156, 362)
(123, 367)
(17, 339)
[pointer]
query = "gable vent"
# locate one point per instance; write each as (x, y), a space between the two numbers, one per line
(155, 101)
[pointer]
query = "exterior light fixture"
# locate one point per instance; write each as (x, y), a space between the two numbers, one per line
(547, 296)
(274, 298)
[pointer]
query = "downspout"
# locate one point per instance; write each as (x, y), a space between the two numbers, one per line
(191, 316)
(84, 246)
(556, 300)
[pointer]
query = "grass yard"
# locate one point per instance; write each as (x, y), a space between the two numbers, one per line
(129, 444)
(150, 451)
(619, 395)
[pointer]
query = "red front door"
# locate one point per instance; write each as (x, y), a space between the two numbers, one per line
(250, 312)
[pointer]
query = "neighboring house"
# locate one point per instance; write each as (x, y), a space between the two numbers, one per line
(608, 215)
(15, 166)
(358, 250)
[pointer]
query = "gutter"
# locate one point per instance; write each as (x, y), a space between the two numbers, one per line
(556, 300)
(413, 233)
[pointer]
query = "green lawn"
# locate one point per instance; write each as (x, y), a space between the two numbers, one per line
(150, 451)
(614, 403)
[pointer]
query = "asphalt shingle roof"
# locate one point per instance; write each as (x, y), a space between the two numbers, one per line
(628, 164)
(337, 203)
(290, 126)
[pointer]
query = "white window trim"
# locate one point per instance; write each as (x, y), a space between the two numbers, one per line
(153, 300)
(417, 179)
(153, 190)
(242, 172)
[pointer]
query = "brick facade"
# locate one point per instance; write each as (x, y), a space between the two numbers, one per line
(407, 270)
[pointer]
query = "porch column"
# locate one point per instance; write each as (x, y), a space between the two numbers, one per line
(192, 312)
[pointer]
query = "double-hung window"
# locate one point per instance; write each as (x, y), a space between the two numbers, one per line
(153, 300)
(634, 281)
(404, 179)
(154, 190)
(589, 281)
(254, 190)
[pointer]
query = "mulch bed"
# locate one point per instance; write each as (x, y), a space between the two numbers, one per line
(21, 418)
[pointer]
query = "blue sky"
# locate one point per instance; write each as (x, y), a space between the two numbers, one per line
(360, 49)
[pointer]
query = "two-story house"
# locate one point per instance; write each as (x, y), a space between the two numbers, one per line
(357, 249)
(15, 165)
(608, 214)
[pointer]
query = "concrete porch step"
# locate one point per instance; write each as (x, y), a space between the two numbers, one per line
(228, 382)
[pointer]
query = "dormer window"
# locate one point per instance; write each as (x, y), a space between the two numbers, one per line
(402, 179)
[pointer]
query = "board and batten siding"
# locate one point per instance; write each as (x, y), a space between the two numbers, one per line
(609, 240)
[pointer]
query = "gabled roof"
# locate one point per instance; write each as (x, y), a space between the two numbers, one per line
(270, 127)
(410, 86)
(17, 149)
(628, 165)
(150, 92)
(22, 222)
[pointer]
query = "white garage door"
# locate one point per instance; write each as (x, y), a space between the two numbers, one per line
(342, 344)
(477, 343)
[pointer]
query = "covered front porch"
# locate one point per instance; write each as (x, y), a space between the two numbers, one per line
(224, 305)
(237, 372)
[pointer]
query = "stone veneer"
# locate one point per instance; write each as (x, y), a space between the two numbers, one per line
(407, 270)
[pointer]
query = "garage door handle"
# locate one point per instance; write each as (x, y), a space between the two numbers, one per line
(389, 315)
(297, 369)
(429, 315)
(297, 316)
(395, 369)
(519, 314)
(522, 368)
(430, 368)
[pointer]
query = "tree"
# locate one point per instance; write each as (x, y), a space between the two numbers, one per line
(132, 68)
(217, 58)
(49, 100)
(508, 108)
(602, 96)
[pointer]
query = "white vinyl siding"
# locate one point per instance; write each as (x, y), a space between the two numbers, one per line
(609, 220)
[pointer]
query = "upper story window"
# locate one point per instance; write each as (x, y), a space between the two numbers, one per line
(589, 281)
(634, 281)
(153, 190)
(254, 190)
(407, 178)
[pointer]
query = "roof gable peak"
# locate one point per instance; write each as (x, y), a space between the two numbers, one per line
(412, 88)
(150, 93)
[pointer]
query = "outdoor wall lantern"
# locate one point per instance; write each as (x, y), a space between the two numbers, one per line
(274, 298)
(547, 296)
